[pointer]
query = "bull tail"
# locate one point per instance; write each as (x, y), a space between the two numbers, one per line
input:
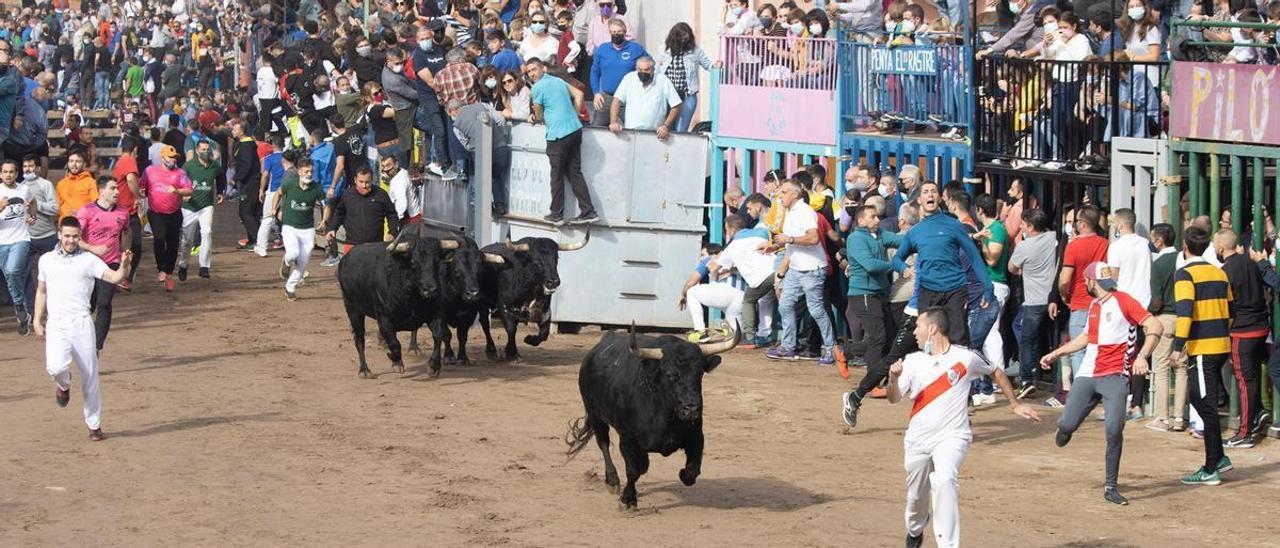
(576, 438)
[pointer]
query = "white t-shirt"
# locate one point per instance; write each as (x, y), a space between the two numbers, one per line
(743, 253)
(267, 83)
(545, 49)
(402, 195)
(938, 387)
(1140, 44)
(68, 282)
(647, 106)
(1131, 253)
(800, 219)
(13, 214)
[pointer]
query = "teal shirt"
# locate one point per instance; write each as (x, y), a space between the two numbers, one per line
(870, 271)
(558, 112)
(1000, 272)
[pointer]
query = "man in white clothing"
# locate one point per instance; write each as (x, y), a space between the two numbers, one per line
(650, 100)
(1129, 256)
(401, 190)
(66, 281)
(802, 275)
(938, 435)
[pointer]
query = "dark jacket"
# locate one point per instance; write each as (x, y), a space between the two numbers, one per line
(248, 167)
(1162, 283)
(363, 215)
(171, 81)
(1248, 293)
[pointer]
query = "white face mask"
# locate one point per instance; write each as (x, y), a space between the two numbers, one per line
(797, 28)
(928, 346)
(815, 30)
(1050, 26)
(908, 26)
(490, 83)
(1136, 13)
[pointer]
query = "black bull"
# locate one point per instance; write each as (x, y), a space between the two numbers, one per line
(649, 390)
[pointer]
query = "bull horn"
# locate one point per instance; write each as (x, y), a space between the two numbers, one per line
(643, 353)
(516, 247)
(711, 349)
(494, 258)
(393, 247)
(450, 244)
(577, 245)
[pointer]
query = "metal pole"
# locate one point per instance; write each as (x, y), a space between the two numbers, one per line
(1215, 191)
(1259, 220)
(482, 230)
(1275, 313)
(1197, 180)
(1237, 194)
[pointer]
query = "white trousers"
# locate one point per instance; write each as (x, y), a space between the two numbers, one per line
(993, 347)
(297, 252)
(716, 295)
(933, 487)
(68, 340)
(191, 220)
(264, 228)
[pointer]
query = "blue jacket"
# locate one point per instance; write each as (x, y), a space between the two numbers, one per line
(610, 64)
(506, 60)
(869, 265)
(938, 242)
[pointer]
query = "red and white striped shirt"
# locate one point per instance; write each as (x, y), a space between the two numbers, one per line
(1112, 328)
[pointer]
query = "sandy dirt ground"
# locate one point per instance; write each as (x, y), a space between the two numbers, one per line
(236, 418)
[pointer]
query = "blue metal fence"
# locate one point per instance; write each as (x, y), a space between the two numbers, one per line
(926, 85)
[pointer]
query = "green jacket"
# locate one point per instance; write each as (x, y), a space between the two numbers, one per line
(870, 271)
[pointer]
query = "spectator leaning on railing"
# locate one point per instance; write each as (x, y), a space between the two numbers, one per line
(651, 100)
(610, 63)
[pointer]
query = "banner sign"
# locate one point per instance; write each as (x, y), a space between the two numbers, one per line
(1225, 102)
(905, 60)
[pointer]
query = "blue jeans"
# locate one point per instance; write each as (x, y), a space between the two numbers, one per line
(40, 246)
(1034, 318)
(687, 109)
(101, 89)
(809, 285)
(981, 321)
(14, 262)
(430, 118)
(1074, 328)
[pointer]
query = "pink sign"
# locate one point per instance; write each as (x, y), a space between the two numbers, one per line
(778, 114)
(1225, 102)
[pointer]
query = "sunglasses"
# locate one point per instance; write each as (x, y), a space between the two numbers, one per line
(508, 80)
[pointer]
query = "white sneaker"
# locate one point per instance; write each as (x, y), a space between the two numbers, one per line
(989, 399)
(1053, 166)
(435, 168)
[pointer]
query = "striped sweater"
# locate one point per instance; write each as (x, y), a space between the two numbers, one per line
(1202, 302)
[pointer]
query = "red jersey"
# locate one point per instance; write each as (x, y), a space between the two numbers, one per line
(1081, 252)
(1112, 328)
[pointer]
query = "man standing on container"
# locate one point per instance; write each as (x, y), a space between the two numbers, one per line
(555, 104)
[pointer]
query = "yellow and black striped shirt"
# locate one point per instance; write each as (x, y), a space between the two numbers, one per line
(1202, 301)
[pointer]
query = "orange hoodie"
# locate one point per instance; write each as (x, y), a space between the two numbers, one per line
(74, 191)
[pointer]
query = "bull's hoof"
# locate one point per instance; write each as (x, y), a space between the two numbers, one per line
(532, 340)
(491, 353)
(434, 372)
(614, 487)
(415, 350)
(687, 477)
(364, 372)
(626, 506)
(399, 367)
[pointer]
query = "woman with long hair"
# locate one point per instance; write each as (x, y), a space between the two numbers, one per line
(680, 61)
(515, 97)
(382, 121)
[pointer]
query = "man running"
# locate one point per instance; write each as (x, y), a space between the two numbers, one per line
(197, 211)
(363, 213)
(295, 205)
(248, 171)
(104, 231)
(1104, 371)
(938, 435)
(273, 171)
(165, 186)
(126, 172)
(67, 277)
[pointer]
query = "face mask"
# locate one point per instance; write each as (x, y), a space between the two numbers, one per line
(928, 346)
(766, 21)
(170, 164)
(1137, 13)
(859, 186)
(424, 44)
(29, 176)
(736, 11)
(364, 51)
(1069, 230)
(606, 11)
(1051, 26)
(645, 77)
(815, 30)
(491, 83)
(397, 69)
(797, 28)
(1015, 8)
(538, 27)
(377, 97)
(618, 39)
(851, 211)
(889, 26)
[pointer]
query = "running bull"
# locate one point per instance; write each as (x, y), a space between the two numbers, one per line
(649, 389)
(520, 288)
(396, 285)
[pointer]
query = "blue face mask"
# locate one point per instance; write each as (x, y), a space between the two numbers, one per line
(538, 28)
(424, 44)
(1015, 8)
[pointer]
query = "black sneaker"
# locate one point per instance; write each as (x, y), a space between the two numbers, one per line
(1260, 423)
(1062, 439)
(555, 220)
(1028, 390)
(24, 322)
(97, 435)
(204, 272)
(1112, 495)
(62, 397)
(1240, 442)
(584, 219)
(916, 541)
(851, 407)
(182, 274)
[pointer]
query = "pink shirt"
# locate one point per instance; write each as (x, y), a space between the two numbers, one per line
(103, 227)
(598, 31)
(160, 185)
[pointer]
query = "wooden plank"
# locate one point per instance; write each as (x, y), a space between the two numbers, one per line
(105, 132)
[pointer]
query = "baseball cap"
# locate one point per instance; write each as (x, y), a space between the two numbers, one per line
(167, 151)
(1100, 272)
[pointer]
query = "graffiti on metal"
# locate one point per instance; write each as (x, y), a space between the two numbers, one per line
(1225, 102)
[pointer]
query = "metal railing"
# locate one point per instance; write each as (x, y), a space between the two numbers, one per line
(1063, 114)
(925, 85)
(781, 62)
